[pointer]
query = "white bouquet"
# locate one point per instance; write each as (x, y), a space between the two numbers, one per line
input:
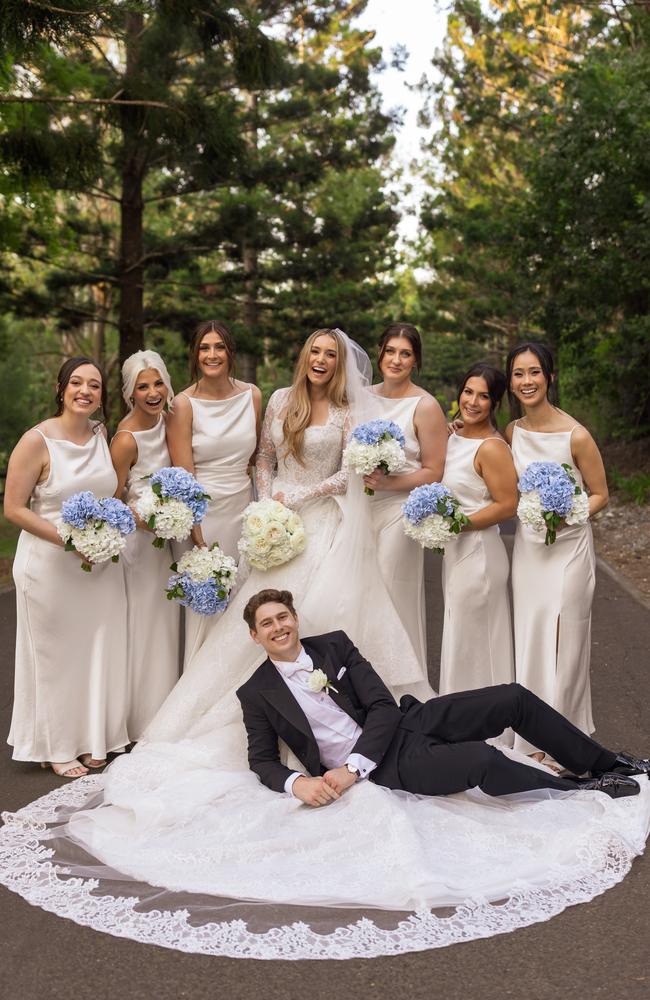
(377, 444)
(172, 505)
(432, 516)
(271, 534)
(95, 528)
(203, 579)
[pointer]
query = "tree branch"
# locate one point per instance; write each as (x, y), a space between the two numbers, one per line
(62, 10)
(86, 100)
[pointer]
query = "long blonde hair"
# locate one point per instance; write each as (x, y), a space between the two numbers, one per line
(297, 414)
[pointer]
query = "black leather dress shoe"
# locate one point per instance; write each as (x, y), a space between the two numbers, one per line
(614, 785)
(625, 763)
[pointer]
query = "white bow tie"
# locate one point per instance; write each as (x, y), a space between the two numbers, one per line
(288, 669)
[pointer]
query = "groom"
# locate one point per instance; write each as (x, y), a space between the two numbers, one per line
(337, 716)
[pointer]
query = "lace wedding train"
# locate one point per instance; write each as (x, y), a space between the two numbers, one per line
(486, 866)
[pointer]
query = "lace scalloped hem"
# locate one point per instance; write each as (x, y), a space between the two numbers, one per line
(26, 868)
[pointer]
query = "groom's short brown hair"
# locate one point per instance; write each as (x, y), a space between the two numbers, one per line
(269, 596)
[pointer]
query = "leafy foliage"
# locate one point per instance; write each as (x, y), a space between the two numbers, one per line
(537, 215)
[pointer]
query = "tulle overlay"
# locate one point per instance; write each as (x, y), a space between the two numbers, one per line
(466, 866)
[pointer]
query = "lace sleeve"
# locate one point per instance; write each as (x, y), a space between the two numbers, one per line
(266, 460)
(334, 485)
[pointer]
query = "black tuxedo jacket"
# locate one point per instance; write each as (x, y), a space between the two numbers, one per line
(271, 711)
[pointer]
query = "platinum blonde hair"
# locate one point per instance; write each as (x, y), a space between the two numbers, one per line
(137, 363)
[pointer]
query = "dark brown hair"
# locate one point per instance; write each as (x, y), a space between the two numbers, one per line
(547, 365)
(211, 326)
(494, 379)
(267, 597)
(65, 374)
(406, 330)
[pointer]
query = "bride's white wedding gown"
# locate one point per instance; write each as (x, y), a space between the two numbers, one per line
(245, 871)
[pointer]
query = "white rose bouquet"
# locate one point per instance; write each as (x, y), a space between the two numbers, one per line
(271, 534)
(172, 505)
(96, 528)
(203, 579)
(377, 444)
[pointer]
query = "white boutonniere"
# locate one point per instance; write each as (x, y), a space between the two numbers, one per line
(319, 681)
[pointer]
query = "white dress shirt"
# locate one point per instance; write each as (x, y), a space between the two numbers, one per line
(334, 730)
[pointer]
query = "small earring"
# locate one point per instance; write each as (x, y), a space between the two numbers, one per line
(131, 400)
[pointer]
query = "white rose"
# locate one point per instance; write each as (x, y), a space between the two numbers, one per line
(317, 680)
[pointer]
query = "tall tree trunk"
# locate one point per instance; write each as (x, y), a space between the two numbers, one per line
(131, 271)
(247, 363)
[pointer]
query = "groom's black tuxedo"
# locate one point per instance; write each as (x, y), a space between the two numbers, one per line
(433, 748)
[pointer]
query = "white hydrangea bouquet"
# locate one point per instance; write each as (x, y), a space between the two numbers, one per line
(550, 494)
(96, 528)
(432, 516)
(271, 534)
(376, 444)
(172, 504)
(203, 579)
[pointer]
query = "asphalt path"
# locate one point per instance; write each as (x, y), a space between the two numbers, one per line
(598, 949)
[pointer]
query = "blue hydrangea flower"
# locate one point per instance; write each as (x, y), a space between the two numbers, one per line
(557, 495)
(80, 508)
(179, 484)
(201, 597)
(432, 498)
(374, 431)
(555, 488)
(539, 474)
(117, 514)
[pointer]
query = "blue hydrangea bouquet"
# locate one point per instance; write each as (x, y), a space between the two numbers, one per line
(432, 516)
(203, 579)
(172, 504)
(549, 495)
(96, 528)
(376, 444)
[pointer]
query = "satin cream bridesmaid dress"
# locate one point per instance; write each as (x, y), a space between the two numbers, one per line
(153, 621)
(224, 438)
(553, 587)
(477, 638)
(71, 667)
(401, 559)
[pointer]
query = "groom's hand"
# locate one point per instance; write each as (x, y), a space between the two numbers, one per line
(340, 779)
(314, 791)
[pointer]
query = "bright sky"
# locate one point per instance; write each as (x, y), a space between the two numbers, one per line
(420, 26)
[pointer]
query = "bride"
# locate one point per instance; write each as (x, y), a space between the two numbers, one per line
(186, 849)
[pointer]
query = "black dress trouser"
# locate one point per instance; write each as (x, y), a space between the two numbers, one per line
(438, 748)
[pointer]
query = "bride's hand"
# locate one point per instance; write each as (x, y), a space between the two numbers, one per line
(377, 480)
(279, 497)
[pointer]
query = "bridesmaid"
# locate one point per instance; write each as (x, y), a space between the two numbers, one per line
(398, 398)
(479, 471)
(553, 585)
(139, 448)
(71, 683)
(213, 433)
